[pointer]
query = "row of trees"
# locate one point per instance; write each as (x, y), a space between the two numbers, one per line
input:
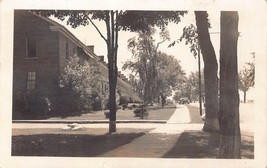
(190, 87)
(156, 73)
(227, 111)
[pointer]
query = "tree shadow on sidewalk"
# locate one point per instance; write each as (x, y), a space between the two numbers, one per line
(72, 145)
(198, 144)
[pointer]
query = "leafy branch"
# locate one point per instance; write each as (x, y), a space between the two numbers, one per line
(190, 37)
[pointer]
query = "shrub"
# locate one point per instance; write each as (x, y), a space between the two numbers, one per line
(97, 104)
(124, 106)
(123, 100)
(78, 82)
(141, 112)
(107, 114)
(30, 105)
(67, 102)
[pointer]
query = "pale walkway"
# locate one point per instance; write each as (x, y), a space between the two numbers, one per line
(177, 122)
(180, 116)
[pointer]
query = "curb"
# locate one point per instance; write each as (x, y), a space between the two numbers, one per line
(85, 121)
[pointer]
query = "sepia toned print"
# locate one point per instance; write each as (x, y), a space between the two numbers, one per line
(64, 87)
(93, 87)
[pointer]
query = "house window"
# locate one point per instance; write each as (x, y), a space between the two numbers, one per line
(31, 48)
(31, 80)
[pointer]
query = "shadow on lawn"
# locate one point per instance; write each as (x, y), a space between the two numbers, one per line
(68, 145)
(196, 144)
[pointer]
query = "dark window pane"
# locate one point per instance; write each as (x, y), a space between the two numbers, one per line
(31, 80)
(31, 48)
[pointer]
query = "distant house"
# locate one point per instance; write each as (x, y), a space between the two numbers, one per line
(41, 48)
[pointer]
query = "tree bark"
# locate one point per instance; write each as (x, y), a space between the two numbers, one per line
(112, 46)
(163, 100)
(210, 72)
(230, 140)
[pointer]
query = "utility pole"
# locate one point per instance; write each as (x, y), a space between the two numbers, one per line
(199, 84)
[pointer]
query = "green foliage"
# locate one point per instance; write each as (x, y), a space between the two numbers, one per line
(98, 101)
(246, 80)
(190, 37)
(132, 20)
(190, 87)
(141, 112)
(69, 103)
(78, 76)
(169, 73)
(29, 104)
(157, 73)
(129, 20)
(123, 100)
(246, 76)
(78, 83)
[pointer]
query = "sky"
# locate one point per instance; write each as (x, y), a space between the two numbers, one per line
(89, 36)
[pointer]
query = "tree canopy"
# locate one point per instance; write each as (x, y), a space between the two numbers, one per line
(246, 77)
(157, 72)
(128, 20)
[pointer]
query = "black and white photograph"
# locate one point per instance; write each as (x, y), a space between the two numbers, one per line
(118, 84)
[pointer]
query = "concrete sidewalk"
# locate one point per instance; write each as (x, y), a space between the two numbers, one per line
(181, 115)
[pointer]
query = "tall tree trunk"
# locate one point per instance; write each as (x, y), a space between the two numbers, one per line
(112, 46)
(163, 100)
(245, 96)
(147, 93)
(210, 72)
(229, 99)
